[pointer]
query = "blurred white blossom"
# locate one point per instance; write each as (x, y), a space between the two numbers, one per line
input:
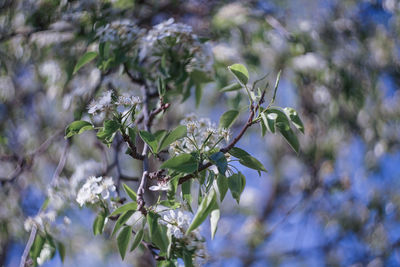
(94, 189)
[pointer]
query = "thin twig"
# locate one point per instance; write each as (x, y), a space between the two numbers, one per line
(33, 233)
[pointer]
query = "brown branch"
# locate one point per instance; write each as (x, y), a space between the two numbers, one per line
(133, 152)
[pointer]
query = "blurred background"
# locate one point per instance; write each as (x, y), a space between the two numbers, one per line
(336, 203)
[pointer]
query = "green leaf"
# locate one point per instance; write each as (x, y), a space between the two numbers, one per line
(123, 240)
(124, 208)
(186, 192)
(121, 220)
(198, 94)
(77, 127)
(161, 86)
(150, 140)
(159, 136)
(138, 239)
(232, 87)
(294, 117)
(280, 118)
(246, 159)
(187, 259)
(228, 118)
(107, 133)
(240, 72)
(157, 234)
(85, 59)
(204, 209)
(291, 138)
(263, 124)
(178, 133)
(200, 77)
(184, 163)
(276, 86)
(214, 218)
(131, 133)
(220, 161)
(61, 251)
(236, 184)
(37, 246)
(222, 183)
(129, 192)
(98, 224)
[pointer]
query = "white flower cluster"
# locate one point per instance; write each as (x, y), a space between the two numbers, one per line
(161, 186)
(124, 100)
(102, 104)
(181, 39)
(119, 33)
(45, 254)
(178, 222)
(41, 220)
(94, 189)
(201, 133)
(106, 102)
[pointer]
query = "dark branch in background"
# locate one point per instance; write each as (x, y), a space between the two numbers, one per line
(34, 229)
(25, 162)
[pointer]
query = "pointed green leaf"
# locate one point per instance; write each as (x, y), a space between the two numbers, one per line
(158, 235)
(37, 247)
(222, 183)
(178, 133)
(184, 163)
(291, 138)
(240, 72)
(204, 209)
(232, 87)
(294, 117)
(198, 94)
(85, 59)
(98, 224)
(236, 183)
(246, 159)
(276, 86)
(61, 251)
(228, 118)
(121, 220)
(214, 218)
(123, 240)
(129, 192)
(124, 208)
(220, 161)
(138, 239)
(77, 127)
(150, 140)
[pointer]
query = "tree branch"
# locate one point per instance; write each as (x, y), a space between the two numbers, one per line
(33, 233)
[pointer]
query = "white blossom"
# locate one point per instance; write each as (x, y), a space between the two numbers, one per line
(45, 254)
(202, 132)
(161, 186)
(102, 104)
(128, 100)
(119, 33)
(94, 189)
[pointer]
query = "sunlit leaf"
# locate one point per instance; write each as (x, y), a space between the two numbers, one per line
(85, 59)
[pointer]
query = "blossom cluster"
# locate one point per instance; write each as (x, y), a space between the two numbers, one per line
(183, 42)
(177, 222)
(94, 189)
(108, 101)
(119, 33)
(202, 133)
